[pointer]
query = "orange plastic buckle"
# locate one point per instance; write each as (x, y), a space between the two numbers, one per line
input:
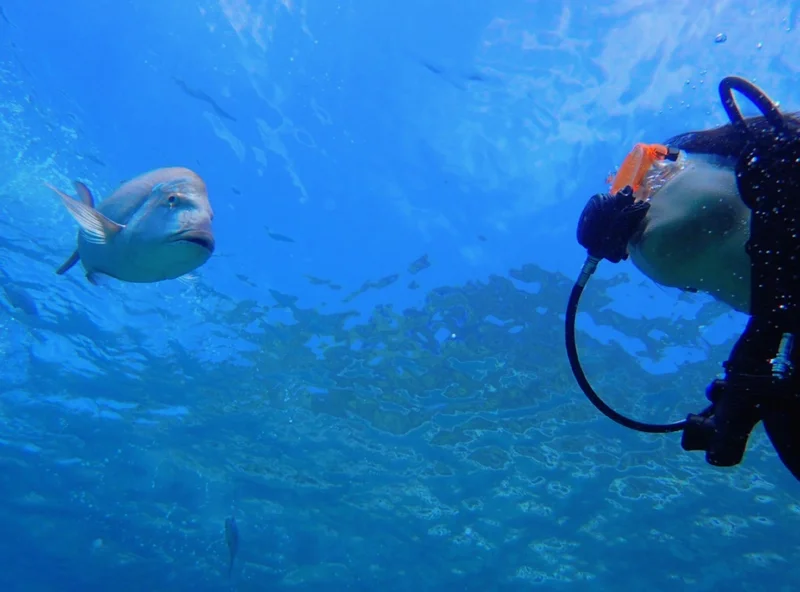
(636, 165)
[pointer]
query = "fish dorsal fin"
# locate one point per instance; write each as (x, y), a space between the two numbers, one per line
(84, 193)
(96, 228)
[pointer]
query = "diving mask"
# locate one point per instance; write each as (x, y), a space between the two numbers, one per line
(646, 169)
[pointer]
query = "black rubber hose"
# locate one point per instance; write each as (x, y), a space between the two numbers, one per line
(756, 96)
(583, 382)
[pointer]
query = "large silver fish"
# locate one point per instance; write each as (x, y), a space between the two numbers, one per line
(152, 228)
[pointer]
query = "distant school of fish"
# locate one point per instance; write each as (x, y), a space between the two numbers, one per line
(154, 227)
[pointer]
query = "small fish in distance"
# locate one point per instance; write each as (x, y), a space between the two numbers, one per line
(232, 539)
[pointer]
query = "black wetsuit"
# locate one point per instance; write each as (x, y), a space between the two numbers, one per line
(768, 177)
(762, 374)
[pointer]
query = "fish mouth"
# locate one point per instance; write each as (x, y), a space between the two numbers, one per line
(198, 237)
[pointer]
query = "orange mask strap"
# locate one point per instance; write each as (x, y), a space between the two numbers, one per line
(637, 163)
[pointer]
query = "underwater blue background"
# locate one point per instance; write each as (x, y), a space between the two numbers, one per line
(369, 373)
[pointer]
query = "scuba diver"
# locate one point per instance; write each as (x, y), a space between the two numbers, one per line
(716, 211)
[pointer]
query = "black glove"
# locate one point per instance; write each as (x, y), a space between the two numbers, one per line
(608, 222)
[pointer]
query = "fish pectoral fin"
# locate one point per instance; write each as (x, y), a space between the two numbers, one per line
(96, 228)
(189, 279)
(97, 278)
(69, 263)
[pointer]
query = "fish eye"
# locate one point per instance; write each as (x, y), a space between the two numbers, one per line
(172, 200)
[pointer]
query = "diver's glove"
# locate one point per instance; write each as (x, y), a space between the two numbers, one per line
(608, 222)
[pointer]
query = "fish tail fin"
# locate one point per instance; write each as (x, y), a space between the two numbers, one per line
(69, 263)
(230, 568)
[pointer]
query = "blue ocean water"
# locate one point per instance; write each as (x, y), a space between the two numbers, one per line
(369, 374)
